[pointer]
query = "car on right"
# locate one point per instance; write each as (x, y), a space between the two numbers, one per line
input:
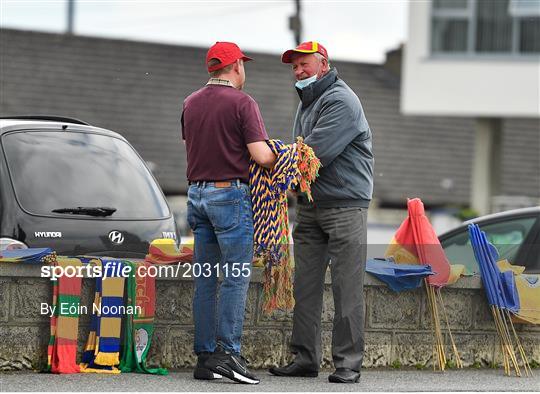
(515, 234)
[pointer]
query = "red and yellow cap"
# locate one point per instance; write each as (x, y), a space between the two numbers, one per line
(305, 47)
(226, 52)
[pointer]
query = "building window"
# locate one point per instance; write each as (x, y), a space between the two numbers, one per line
(507, 27)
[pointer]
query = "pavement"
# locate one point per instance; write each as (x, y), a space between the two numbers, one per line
(372, 380)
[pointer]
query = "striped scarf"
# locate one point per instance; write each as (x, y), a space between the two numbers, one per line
(62, 348)
(102, 350)
(293, 167)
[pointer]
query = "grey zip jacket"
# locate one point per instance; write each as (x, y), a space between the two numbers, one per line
(331, 120)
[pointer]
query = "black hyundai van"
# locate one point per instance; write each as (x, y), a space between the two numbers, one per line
(77, 189)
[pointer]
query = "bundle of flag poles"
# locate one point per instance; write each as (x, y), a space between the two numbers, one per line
(415, 242)
(502, 298)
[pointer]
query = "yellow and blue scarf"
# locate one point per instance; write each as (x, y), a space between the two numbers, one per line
(293, 168)
(102, 350)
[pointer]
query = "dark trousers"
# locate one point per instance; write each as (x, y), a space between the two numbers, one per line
(337, 235)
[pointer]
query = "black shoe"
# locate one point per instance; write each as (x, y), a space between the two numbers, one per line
(201, 372)
(344, 375)
(294, 369)
(230, 365)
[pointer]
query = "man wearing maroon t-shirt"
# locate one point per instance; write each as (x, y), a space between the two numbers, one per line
(222, 127)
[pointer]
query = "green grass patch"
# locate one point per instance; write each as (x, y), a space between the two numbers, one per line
(396, 364)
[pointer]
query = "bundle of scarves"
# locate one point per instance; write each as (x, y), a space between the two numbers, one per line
(294, 168)
(103, 348)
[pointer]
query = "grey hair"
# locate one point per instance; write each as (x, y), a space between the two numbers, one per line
(321, 57)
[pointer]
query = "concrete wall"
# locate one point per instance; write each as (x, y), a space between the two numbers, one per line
(397, 324)
(500, 86)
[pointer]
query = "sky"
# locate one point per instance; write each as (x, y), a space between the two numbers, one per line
(356, 30)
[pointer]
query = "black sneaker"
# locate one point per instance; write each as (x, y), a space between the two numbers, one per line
(201, 372)
(230, 365)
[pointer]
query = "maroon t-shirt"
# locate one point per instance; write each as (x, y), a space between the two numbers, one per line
(217, 123)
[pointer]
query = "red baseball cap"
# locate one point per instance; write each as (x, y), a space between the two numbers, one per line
(305, 47)
(226, 52)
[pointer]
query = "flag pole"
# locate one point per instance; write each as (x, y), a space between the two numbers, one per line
(459, 364)
(526, 365)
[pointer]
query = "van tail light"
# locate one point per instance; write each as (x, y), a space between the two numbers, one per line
(11, 244)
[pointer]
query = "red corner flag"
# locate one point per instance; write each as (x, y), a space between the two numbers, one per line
(415, 242)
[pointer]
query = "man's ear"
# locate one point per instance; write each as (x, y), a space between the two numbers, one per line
(236, 66)
(324, 62)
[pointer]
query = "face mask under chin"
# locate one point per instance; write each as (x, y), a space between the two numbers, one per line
(301, 84)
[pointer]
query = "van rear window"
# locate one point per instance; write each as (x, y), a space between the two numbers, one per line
(52, 170)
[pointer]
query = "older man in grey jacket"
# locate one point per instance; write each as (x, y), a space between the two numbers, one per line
(332, 229)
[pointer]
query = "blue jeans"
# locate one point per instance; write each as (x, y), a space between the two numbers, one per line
(222, 223)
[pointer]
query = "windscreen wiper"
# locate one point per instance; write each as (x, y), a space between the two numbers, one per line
(92, 211)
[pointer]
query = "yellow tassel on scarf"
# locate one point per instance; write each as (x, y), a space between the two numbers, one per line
(102, 351)
(293, 167)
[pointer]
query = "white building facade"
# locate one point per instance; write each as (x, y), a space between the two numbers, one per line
(474, 58)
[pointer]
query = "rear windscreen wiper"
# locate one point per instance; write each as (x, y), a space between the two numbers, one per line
(92, 211)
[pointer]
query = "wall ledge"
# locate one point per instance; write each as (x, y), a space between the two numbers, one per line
(34, 271)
